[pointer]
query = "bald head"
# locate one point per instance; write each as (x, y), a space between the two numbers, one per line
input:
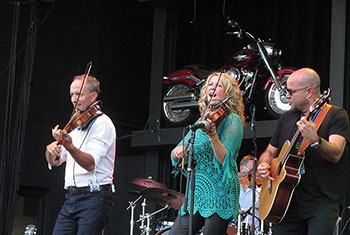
(306, 77)
(303, 88)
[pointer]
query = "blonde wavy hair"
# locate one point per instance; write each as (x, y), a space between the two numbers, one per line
(231, 90)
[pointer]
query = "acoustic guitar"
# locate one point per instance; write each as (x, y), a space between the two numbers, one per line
(276, 194)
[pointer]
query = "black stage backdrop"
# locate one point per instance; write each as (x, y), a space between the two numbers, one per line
(117, 37)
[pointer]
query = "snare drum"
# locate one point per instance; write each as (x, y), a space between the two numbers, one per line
(232, 228)
(165, 231)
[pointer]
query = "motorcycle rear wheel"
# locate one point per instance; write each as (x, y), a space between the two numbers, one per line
(181, 117)
(275, 103)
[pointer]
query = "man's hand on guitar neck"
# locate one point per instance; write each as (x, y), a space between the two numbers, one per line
(308, 130)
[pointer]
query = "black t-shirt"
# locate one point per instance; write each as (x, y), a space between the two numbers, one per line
(322, 180)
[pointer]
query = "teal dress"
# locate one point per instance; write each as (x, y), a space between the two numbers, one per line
(216, 185)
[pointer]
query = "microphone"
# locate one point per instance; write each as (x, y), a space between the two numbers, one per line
(202, 125)
(253, 118)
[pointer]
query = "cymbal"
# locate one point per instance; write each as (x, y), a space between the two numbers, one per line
(148, 183)
(134, 192)
(164, 197)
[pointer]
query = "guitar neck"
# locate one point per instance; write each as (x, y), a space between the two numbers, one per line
(291, 146)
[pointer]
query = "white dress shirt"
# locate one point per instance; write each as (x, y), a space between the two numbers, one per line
(98, 140)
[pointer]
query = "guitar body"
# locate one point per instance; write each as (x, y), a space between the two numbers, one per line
(276, 194)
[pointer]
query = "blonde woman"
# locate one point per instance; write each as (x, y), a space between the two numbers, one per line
(216, 148)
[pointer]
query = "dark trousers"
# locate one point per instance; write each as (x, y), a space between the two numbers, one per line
(318, 219)
(214, 225)
(84, 213)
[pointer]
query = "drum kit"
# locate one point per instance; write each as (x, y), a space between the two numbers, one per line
(159, 194)
(240, 227)
(243, 226)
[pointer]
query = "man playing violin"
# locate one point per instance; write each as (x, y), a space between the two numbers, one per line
(216, 149)
(89, 153)
(315, 203)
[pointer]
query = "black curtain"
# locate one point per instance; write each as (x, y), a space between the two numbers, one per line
(16, 115)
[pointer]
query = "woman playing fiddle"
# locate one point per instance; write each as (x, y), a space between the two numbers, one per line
(216, 193)
(89, 154)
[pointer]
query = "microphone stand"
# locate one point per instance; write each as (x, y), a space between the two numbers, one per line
(254, 153)
(190, 177)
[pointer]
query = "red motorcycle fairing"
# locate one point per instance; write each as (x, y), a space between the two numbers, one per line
(182, 75)
(279, 73)
(242, 58)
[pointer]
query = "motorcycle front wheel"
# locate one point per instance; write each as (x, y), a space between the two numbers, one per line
(275, 103)
(180, 117)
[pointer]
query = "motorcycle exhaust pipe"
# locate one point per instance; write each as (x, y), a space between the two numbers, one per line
(186, 96)
(184, 105)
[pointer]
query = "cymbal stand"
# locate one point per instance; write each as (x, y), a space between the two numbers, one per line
(132, 206)
(239, 222)
(142, 226)
(246, 229)
(143, 215)
(147, 229)
(270, 229)
(261, 226)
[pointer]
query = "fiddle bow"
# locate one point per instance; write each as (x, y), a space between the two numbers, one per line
(80, 117)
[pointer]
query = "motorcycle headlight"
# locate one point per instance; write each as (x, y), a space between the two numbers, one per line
(234, 72)
(271, 50)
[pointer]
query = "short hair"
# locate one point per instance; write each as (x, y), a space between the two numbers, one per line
(93, 82)
(245, 160)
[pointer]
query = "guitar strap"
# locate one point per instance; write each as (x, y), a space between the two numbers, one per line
(318, 120)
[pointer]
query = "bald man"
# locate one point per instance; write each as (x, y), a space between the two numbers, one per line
(317, 199)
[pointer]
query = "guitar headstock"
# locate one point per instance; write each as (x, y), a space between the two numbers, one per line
(325, 96)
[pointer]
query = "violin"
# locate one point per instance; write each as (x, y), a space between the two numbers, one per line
(79, 118)
(219, 113)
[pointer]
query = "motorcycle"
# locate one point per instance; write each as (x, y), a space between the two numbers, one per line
(259, 61)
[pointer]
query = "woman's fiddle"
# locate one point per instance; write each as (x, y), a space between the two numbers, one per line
(219, 113)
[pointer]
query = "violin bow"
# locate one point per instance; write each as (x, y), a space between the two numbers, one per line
(204, 116)
(87, 72)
